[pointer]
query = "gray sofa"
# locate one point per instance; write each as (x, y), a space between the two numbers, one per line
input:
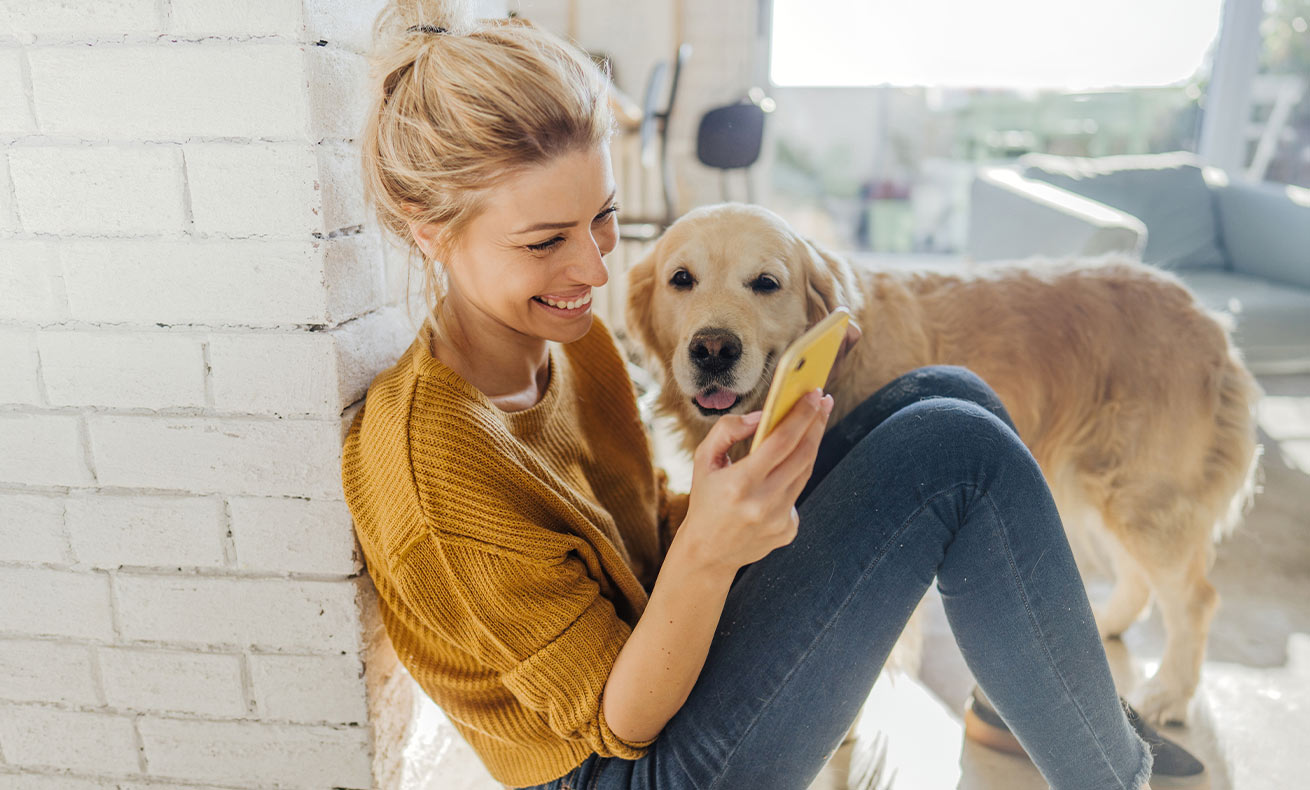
(1242, 247)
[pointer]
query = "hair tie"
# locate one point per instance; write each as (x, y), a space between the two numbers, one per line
(426, 29)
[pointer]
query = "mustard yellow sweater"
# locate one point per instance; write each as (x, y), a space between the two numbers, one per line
(512, 552)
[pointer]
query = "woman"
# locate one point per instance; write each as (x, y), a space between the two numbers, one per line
(580, 624)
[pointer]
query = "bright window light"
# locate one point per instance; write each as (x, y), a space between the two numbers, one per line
(1022, 44)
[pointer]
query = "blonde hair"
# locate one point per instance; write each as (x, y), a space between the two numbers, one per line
(454, 113)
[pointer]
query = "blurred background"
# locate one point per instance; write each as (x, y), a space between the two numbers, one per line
(879, 113)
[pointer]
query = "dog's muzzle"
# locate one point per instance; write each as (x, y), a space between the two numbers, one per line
(714, 351)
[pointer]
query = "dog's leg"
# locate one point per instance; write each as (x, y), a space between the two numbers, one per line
(1187, 604)
(1130, 596)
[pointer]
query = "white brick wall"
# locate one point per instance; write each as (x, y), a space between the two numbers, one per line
(193, 300)
(192, 303)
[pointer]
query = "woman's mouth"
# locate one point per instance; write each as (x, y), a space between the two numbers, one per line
(566, 308)
(712, 400)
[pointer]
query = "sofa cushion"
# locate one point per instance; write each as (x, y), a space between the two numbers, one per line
(1273, 319)
(1167, 192)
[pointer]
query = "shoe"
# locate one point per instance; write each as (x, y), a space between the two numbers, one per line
(1174, 766)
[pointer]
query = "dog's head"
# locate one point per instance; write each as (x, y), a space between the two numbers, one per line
(722, 294)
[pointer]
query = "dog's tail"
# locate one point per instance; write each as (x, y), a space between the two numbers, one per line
(1233, 463)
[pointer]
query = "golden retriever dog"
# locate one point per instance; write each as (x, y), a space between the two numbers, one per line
(1125, 388)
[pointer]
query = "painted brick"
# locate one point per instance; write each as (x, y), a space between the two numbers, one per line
(206, 455)
(288, 535)
(95, 18)
(255, 283)
(111, 530)
(344, 24)
(34, 670)
(342, 187)
(352, 272)
(42, 602)
(154, 370)
(19, 362)
(338, 92)
(260, 189)
(366, 346)
(172, 681)
(28, 290)
(58, 782)
(15, 112)
(32, 528)
(119, 191)
(286, 373)
(249, 753)
(42, 449)
(8, 219)
(172, 92)
(36, 736)
(271, 614)
(310, 688)
(236, 17)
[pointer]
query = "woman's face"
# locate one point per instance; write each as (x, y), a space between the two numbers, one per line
(541, 236)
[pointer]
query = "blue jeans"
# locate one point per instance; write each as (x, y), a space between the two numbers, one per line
(925, 479)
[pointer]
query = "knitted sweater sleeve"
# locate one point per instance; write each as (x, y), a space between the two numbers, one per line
(672, 509)
(540, 622)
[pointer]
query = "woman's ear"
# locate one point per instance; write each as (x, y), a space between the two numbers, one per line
(637, 312)
(425, 236)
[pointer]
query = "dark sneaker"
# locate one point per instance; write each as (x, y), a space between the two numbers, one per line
(1174, 766)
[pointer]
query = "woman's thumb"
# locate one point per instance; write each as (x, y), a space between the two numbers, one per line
(733, 428)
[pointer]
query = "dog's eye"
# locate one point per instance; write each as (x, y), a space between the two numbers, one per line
(681, 279)
(765, 284)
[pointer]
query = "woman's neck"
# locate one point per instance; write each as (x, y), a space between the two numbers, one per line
(512, 370)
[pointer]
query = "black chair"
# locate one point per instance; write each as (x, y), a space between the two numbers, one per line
(730, 138)
(655, 122)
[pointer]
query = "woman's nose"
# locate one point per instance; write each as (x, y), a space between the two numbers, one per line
(592, 264)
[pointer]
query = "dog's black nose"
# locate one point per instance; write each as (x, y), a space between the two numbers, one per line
(714, 350)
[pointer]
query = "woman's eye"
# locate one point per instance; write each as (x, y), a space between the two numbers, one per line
(545, 245)
(549, 243)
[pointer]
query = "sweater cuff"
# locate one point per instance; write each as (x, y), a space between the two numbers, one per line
(672, 509)
(564, 680)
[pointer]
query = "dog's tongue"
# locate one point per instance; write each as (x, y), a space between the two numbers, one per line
(716, 398)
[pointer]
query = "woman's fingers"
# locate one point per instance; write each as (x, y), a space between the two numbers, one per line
(790, 476)
(788, 433)
(726, 431)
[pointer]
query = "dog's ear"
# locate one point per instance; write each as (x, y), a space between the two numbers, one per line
(829, 282)
(637, 309)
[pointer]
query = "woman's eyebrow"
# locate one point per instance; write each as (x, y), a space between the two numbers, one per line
(560, 225)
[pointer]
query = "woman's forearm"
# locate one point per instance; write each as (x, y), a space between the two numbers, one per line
(658, 665)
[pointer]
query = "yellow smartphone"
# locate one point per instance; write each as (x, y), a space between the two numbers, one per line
(802, 367)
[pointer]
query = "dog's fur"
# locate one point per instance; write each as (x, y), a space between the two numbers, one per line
(1126, 390)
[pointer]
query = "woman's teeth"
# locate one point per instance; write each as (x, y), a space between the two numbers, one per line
(576, 303)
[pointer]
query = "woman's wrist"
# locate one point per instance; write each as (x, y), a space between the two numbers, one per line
(690, 550)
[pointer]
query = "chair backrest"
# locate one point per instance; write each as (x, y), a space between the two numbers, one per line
(731, 136)
(650, 115)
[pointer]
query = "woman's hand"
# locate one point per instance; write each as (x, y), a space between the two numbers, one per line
(739, 512)
(852, 336)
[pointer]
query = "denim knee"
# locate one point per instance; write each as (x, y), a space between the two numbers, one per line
(948, 381)
(949, 440)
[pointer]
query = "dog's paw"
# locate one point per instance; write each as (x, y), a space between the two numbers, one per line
(1105, 626)
(1161, 702)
